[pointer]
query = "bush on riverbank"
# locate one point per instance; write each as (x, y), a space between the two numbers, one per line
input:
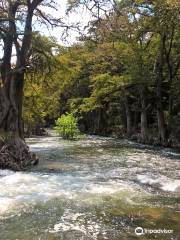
(67, 126)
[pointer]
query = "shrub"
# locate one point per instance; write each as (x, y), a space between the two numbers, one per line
(67, 127)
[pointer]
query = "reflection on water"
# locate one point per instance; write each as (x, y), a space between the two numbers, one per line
(95, 188)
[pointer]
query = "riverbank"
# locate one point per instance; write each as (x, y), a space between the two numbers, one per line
(175, 145)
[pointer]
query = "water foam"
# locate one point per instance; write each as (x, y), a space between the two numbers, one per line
(76, 222)
(163, 182)
(18, 189)
(171, 186)
(145, 179)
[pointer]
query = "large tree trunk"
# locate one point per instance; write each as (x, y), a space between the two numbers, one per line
(128, 117)
(135, 122)
(159, 80)
(172, 67)
(11, 98)
(14, 153)
(144, 124)
(160, 116)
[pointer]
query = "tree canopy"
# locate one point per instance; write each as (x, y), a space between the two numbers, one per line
(123, 76)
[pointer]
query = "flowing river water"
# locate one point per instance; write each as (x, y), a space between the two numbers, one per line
(93, 188)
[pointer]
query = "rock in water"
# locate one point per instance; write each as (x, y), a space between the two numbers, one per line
(15, 155)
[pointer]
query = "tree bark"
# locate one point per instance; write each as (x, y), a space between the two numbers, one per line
(135, 122)
(159, 81)
(172, 67)
(144, 123)
(14, 153)
(128, 117)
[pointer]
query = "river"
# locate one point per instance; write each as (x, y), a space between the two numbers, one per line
(93, 188)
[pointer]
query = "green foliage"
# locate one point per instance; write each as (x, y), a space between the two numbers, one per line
(67, 127)
(114, 67)
(41, 92)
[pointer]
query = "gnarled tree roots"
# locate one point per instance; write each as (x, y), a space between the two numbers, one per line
(15, 155)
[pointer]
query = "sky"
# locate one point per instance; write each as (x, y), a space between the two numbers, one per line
(81, 16)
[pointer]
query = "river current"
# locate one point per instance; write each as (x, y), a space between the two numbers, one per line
(94, 188)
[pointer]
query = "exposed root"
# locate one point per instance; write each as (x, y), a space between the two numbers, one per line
(16, 156)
